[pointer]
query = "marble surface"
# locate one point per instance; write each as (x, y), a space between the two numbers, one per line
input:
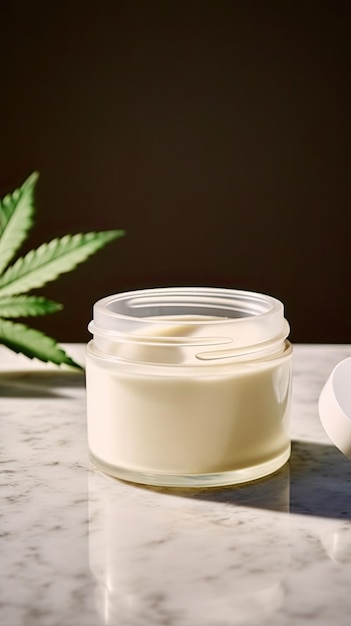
(79, 548)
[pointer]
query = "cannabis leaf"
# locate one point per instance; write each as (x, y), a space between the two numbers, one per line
(16, 218)
(40, 266)
(35, 269)
(33, 343)
(23, 306)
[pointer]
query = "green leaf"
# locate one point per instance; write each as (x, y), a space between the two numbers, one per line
(23, 306)
(33, 343)
(16, 218)
(52, 259)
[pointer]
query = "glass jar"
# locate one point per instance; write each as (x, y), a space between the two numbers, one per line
(188, 386)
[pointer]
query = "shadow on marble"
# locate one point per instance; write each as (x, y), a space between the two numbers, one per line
(320, 481)
(39, 384)
(315, 482)
(271, 493)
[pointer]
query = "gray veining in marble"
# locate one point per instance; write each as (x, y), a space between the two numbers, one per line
(79, 548)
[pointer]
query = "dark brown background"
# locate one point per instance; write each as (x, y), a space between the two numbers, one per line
(215, 132)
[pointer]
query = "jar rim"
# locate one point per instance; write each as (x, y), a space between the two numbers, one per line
(208, 322)
(129, 305)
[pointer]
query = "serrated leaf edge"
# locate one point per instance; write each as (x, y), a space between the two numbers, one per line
(6, 254)
(8, 284)
(46, 305)
(62, 357)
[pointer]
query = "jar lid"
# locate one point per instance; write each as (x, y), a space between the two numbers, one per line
(335, 406)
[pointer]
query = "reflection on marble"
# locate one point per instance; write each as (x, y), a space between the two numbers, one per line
(79, 548)
(182, 556)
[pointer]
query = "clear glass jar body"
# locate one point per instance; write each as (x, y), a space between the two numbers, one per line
(188, 386)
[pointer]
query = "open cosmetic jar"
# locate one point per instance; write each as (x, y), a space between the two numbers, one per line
(188, 386)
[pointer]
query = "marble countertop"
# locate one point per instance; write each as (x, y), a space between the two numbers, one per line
(79, 548)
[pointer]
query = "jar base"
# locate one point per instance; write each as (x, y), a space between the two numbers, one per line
(217, 479)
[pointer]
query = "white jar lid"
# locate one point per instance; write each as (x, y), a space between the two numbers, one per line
(335, 406)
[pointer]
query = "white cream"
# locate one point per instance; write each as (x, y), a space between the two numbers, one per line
(189, 424)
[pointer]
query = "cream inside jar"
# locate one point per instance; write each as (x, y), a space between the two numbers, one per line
(188, 386)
